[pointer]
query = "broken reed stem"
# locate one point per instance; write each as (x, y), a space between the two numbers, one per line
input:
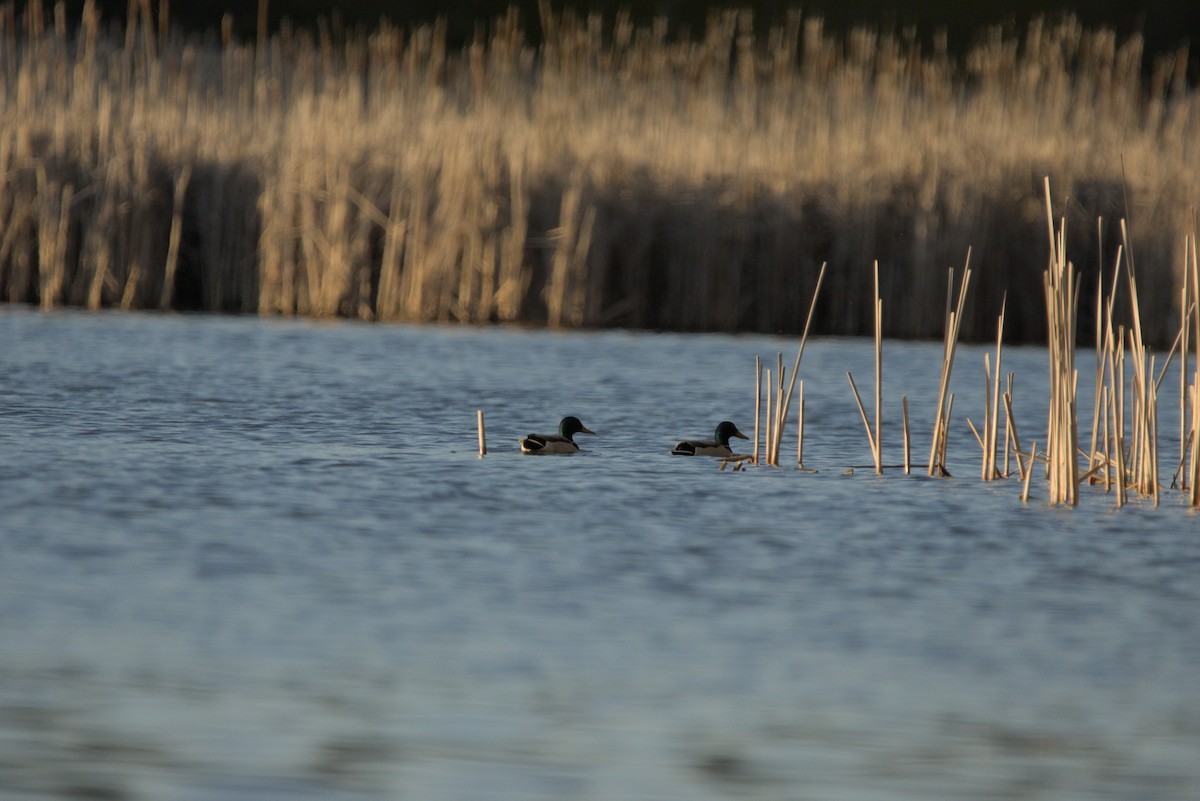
(800, 350)
(1012, 428)
(1028, 472)
(866, 423)
(482, 435)
(907, 443)
(1177, 476)
(978, 438)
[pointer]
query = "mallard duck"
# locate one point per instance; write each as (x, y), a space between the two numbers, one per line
(562, 442)
(719, 446)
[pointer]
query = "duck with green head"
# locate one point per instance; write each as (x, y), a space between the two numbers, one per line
(562, 442)
(718, 446)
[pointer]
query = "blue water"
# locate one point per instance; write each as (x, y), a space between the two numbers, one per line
(257, 559)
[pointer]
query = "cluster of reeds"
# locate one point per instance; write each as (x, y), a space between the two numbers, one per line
(610, 176)
(1124, 453)
(1124, 447)
(1126, 456)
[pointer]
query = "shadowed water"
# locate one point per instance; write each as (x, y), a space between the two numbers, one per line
(252, 559)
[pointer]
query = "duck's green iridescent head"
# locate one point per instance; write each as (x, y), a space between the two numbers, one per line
(570, 426)
(725, 430)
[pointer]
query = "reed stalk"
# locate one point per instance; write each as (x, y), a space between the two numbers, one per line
(757, 404)
(800, 427)
(1194, 390)
(1185, 325)
(994, 411)
(873, 433)
(1106, 399)
(878, 440)
(952, 324)
(771, 415)
(780, 420)
(1011, 426)
(482, 434)
(866, 423)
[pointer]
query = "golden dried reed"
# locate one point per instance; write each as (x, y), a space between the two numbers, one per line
(613, 176)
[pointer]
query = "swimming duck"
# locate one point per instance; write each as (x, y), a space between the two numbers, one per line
(562, 442)
(710, 447)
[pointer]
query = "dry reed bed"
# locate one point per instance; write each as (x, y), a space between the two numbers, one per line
(1124, 448)
(612, 176)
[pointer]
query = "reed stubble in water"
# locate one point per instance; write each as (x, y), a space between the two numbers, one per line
(611, 176)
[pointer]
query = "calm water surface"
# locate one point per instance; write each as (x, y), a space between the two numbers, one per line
(252, 559)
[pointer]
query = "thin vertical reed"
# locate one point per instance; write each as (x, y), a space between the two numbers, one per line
(767, 417)
(777, 439)
(1106, 396)
(800, 427)
(877, 441)
(1194, 392)
(907, 442)
(1010, 427)
(985, 440)
(1184, 335)
(757, 404)
(994, 411)
(482, 434)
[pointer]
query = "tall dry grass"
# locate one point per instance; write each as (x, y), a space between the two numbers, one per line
(613, 176)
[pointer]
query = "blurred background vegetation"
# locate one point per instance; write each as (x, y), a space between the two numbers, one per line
(1164, 24)
(616, 175)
